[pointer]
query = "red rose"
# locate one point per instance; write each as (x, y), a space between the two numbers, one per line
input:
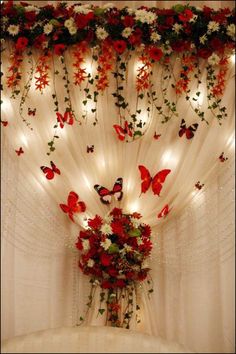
(155, 53)
(21, 43)
(186, 15)
(120, 46)
(128, 21)
(59, 48)
(30, 16)
(105, 259)
(204, 53)
(95, 223)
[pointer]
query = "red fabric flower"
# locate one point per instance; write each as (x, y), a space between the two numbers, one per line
(119, 46)
(120, 283)
(136, 37)
(217, 44)
(30, 16)
(128, 21)
(106, 259)
(155, 53)
(84, 234)
(95, 223)
(117, 228)
(180, 46)
(207, 11)
(39, 41)
(21, 43)
(59, 48)
(83, 20)
(106, 284)
(112, 272)
(146, 231)
(186, 15)
(116, 212)
(130, 275)
(136, 215)
(204, 53)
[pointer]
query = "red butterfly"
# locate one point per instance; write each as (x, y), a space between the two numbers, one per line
(105, 194)
(4, 122)
(188, 131)
(31, 112)
(164, 211)
(121, 132)
(156, 181)
(90, 148)
(67, 118)
(20, 151)
(49, 172)
(198, 185)
(222, 158)
(156, 136)
(73, 206)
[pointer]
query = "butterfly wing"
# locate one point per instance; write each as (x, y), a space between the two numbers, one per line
(104, 193)
(54, 168)
(182, 128)
(164, 211)
(145, 177)
(117, 189)
(158, 180)
(68, 117)
(119, 131)
(190, 131)
(64, 208)
(60, 119)
(156, 136)
(49, 174)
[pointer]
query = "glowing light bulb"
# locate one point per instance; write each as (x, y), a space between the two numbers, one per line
(6, 105)
(87, 182)
(24, 140)
(232, 58)
(137, 66)
(88, 67)
(231, 142)
(132, 207)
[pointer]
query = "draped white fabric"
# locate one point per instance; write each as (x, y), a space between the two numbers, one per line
(192, 260)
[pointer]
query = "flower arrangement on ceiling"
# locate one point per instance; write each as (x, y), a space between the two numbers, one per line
(110, 36)
(114, 254)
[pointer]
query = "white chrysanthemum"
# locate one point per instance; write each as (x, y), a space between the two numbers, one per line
(203, 39)
(72, 30)
(177, 27)
(166, 49)
(136, 222)
(231, 30)
(108, 218)
(106, 244)
(127, 32)
(90, 263)
(30, 8)
(145, 265)
(47, 29)
(101, 33)
(86, 245)
(127, 248)
(213, 26)
(13, 30)
(69, 23)
(214, 59)
(82, 9)
(130, 11)
(4, 20)
(106, 229)
(155, 37)
(194, 18)
(145, 16)
(108, 6)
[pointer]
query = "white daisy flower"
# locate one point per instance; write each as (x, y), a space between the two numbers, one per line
(101, 33)
(231, 30)
(4, 20)
(85, 244)
(69, 23)
(127, 32)
(47, 29)
(139, 241)
(177, 27)
(130, 11)
(90, 263)
(155, 37)
(13, 30)
(214, 59)
(106, 229)
(136, 222)
(194, 18)
(145, 16)
(106, 244)
(213, 26)
(108, 218)
(127, 248)
(203, 39)
(72, 30)
(30, 8)
(81, 9)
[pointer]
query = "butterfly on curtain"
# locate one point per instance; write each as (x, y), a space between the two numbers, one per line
(31, 112)
(73, 205)
(122, 132)
(105, 194)
(66, 118)
(4, 122)
(20, 151)
(90, 148)
(49, 172)
(198, 185)
(189, 132)
(156, 181)
(223, 158)
(156, 136)
(164, 211)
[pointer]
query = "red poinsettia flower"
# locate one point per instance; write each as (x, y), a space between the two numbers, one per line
(119, 46)
(21, 43)
(155, 53)
(59, 48)
(186, 15)
(95, 223)
(84, 234)
(128, 21)
(106, 259)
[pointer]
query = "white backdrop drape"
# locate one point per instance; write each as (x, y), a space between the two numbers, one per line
(192, 260)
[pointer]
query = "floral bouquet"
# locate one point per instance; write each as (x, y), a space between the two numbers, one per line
(114, 253)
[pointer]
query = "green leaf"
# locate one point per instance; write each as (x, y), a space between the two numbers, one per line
(137, 133)
(101, 311)
(113, 248)
(98, 11)
(54, 22)
(134, 233)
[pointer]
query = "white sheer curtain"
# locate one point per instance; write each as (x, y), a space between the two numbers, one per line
(192, 262)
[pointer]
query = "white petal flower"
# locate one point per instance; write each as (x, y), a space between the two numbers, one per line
(203, 39)
(90, 263)
(231, 30)
(127, 32)
(139, 241)
(145, 16)
(101, 33)
(130, 11)
(213, 26)
(47, 29)
(72, 30)
(136, 222)
(13, 29)
(85, 244)
(106, 229)
(30, 8)
(82, 9)
(127, 248)
(108, 218)
(106, 244)
(194, 18)
(214, 59)
(177, 27)
(69, 23)
(155, 37)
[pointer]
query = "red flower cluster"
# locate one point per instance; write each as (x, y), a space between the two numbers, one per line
(114, 252)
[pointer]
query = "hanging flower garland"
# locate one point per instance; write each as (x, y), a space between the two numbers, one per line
(114, 254)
